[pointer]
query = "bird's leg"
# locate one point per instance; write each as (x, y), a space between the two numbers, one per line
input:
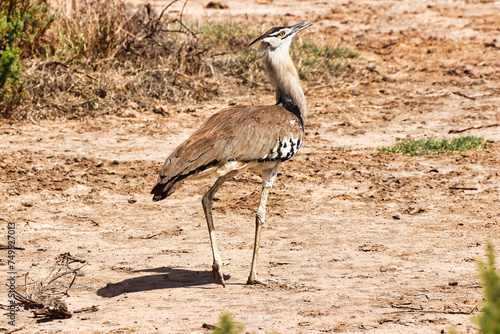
(259, 221)
(207, 202)
(268, 177)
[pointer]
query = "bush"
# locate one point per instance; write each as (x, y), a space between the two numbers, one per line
(489, 319)
(22, 24)
(434, 146)
(227, 325)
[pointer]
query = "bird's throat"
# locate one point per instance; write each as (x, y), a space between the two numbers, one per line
(285, 79)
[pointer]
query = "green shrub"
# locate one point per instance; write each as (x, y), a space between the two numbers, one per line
(10, 69)
(489, 318)
(426, 146)
(22, 24)
(227, 325)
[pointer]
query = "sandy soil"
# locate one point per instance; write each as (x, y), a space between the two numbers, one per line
(355, 240)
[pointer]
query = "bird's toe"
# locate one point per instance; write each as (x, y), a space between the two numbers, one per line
(255, 281)
(217, 274)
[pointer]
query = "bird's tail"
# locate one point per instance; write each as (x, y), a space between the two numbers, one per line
(187, 159)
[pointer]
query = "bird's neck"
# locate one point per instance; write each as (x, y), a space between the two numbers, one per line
(285, 79)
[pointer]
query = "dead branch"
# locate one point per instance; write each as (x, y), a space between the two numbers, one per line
(184, 26)
(166, 7)
(491, 45)
(464, 95)
(474, 128)
(45, 296)
(13, 330)
(182, 10)
(93, 308)
(156, 25)
(463, 188)
(12, 181)
(376, 49)
(409, 308)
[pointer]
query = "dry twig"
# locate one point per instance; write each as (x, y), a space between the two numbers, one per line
(157, 24)
(46, 296)
(465, 95)
(376, 49)
(474, 128)
(463, 188)
(93, 308)
(410, 308)
(12, 181)
(13, 330)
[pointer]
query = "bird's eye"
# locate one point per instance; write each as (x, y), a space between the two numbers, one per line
(282, 33)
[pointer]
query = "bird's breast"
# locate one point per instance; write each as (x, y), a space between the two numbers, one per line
(284, 149)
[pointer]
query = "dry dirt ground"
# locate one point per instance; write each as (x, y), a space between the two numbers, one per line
(355, 240)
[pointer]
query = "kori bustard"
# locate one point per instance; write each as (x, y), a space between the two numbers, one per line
(243, 138)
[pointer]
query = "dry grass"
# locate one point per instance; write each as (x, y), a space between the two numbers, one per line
(86, 31)
(100, 55)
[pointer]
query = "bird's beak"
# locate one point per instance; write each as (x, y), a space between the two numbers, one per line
(299, 26)
(295, 29)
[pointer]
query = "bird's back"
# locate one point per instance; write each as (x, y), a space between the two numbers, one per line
(234, 138)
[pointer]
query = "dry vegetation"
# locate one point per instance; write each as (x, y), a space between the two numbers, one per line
(45, 295)
(100, 55)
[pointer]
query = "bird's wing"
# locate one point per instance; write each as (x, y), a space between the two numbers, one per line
(244, 133)
(263, 133)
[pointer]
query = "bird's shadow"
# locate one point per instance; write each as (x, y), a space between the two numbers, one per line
(165, 278)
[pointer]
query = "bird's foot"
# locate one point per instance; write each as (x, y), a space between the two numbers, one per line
(254, 281)
(217, 274)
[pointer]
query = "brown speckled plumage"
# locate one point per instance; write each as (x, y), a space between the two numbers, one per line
(244, 134)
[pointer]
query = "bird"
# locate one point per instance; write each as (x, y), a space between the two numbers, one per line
(249, 137)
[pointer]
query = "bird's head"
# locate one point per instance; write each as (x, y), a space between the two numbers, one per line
(279, 37)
